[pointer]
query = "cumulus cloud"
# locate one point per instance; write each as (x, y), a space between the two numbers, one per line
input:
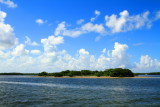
(119, 56)
(9, 3)
(51, 42)
(125, 22)
(84, 60)
(147, 64)
(20, 50)
(90, 27)
(83, 52)
(39, 21)
(29, 42)
(7, 37)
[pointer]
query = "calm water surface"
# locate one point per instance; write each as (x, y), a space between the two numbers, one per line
(22, 91)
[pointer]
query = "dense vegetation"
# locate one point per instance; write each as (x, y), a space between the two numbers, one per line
(18, 73)
(11, 74)
(117, 72)
(154, 73)
(151, 73)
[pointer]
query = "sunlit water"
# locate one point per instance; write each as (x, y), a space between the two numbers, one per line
(22, 91)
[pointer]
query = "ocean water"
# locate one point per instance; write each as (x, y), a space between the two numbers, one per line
(27, 91)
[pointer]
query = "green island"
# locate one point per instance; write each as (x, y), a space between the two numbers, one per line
(117, 72)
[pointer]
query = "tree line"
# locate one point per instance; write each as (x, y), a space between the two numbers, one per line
(117, 72)
(14, 73)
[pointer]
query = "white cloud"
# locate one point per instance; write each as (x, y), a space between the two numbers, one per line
(51, 42)
(7, 37)
(116, 24)
(73, 33)
(125, 22)
(92, 19)
(83, 52)
(19, 64)
(147, 64)
(119, 56)
(60, 28)
(83, 59)
(39, 21)
(9, 3)
(29, 42)
(85, 28)
(2, 16)
(20, 50)
(90, 27)
(35, 52)
(97, 13)
(80, 21)
(104, 50)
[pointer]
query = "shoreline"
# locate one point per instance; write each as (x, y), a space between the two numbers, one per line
(107, 77)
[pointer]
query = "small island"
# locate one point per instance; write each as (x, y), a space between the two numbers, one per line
(117, 72)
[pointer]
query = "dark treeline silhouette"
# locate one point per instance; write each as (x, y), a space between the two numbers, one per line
(154, 73)
(151, 73)
(117, 72)
(13, 73)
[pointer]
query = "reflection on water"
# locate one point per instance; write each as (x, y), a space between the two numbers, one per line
(21, 91)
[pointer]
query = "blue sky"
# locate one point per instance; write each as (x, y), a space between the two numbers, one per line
(55, 35)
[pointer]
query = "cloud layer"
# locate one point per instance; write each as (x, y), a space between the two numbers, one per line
(16, 57)
(51, 59)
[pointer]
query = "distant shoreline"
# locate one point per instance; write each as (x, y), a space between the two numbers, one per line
(94, 77)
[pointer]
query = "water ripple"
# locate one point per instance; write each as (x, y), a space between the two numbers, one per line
(66, 86)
